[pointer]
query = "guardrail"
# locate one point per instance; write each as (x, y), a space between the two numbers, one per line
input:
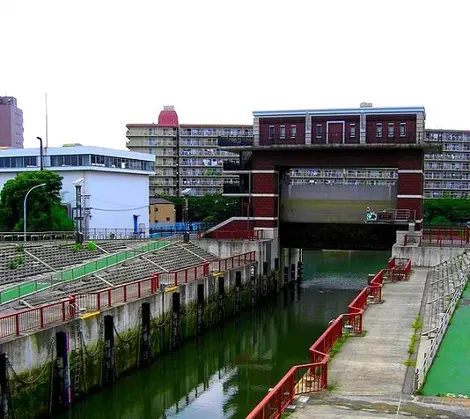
(35, 285)
(428, 359)
(446, 236)
(312, 377)
(64, 310)
(235, 234)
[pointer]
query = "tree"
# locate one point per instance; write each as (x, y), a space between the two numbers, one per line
(209, 208)
(44, 209)
(446, 210)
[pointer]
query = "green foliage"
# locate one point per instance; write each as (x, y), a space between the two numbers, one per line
(44, 210)
(19, 248)
(12, 264)
(20, 260)
(208, 208)
(77, 247)
(91, 246)
(446, 211)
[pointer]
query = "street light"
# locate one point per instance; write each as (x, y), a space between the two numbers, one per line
(24, 207)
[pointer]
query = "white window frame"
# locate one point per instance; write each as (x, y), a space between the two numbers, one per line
(391, 134)
(352, 131)
(282, 132)
(403, 129)
(316, 131)
(379, 130)
(293, 131)
(271, 129)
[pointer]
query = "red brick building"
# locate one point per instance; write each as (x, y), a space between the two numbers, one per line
(364, 137)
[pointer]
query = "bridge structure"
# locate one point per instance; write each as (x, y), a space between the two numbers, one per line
(329, 173)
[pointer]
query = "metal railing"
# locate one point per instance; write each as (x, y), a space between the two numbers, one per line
(445, 236)
(392, 215)
(313, 377)
(65, 310)
(235, 188)
(235, 141)
(235, 234)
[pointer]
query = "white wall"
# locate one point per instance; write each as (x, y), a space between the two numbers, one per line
(124, 193)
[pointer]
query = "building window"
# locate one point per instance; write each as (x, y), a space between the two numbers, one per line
(352, 130)
(293, 131)
(403, 129)
(378, 131)
(319, 131)
(282, 131)
(271, 132)
(72, 160)
(391, 130)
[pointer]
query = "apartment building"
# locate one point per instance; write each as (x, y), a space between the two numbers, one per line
(449, 171)
(186, 155)
(11, 123)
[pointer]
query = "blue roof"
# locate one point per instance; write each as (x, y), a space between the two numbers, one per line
(344, 111)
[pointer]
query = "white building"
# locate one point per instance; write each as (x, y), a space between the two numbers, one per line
(115, 183)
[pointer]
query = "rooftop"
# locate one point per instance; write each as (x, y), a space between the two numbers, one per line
(153, 201)
(342, 111)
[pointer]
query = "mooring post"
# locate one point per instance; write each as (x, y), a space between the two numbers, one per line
(175, 322)
(220, 301)
(145, 353)
(63, 390)
(264, 287)
(200, 309)
(253, 285)
(4, 391)
(292, 272)
(286, 275)
(300, 271)
(238, 292)
(109, 367)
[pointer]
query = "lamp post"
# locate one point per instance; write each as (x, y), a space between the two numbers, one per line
(24, 207)
(185, 193)
(41, 154)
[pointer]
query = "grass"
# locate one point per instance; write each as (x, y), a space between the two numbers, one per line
(338, 345)
(417, 325)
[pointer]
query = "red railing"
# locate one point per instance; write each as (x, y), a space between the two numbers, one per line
(38, 318)
(312, 377)
(15, 324)
(446, 236)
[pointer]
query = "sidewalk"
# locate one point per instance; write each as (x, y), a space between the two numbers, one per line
(371, 369)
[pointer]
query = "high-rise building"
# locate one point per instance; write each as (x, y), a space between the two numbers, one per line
(186, 155)
(11, 123)
(448, 172)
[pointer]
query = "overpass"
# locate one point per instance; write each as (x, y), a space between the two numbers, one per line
(319, 178)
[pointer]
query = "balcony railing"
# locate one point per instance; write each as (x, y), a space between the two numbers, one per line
(235, 141)
(235, 188)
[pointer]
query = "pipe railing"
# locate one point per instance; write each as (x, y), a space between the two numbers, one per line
(64, 310)
(312, 377)
(445, 236)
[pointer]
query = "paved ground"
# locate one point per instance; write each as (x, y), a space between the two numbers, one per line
(368, 374)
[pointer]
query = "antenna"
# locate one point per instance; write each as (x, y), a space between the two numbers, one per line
(47, 126)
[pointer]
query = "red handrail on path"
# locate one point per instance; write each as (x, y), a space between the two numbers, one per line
(314, 376)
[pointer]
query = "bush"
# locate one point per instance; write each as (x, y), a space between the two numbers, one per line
(91, 246)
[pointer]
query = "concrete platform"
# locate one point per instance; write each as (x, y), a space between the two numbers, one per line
(368, 375)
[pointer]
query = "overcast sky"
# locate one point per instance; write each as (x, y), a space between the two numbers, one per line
(106, 63)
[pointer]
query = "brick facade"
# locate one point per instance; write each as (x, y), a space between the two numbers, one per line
(265, 206)
(410, 184)
(265, 183)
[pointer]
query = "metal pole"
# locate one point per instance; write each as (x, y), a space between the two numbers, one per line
(24, 208)
(41, 157)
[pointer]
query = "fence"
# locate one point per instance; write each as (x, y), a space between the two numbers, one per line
(29, 287)
(39, 317)
(313, 377)
(15, 324)
(446, 236)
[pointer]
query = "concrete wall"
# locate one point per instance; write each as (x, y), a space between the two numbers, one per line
(424, 256)
(312, 203)
(27, 353)
(266, 250)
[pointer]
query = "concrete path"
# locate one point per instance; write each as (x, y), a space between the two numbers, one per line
(368, 374)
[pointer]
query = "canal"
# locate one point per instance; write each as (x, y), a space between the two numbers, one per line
(226, 372)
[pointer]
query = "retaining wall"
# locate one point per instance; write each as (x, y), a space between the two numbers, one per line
(426, 256)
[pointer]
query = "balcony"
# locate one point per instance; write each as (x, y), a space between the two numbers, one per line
(235, 141)
(235, 189)
(231, 165)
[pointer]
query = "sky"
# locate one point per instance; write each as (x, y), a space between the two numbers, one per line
(107, 63)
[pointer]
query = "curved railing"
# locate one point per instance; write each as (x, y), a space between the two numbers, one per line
(312, 377)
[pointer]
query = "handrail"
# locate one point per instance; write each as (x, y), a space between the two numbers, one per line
(445, 236)
(315, 377)
(62, 311)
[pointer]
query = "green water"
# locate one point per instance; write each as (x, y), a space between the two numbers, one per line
(229, 370)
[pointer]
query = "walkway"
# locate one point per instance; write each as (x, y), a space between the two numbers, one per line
(368, 374)
(27, 287)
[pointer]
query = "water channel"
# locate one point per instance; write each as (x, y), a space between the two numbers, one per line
(228, 371)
